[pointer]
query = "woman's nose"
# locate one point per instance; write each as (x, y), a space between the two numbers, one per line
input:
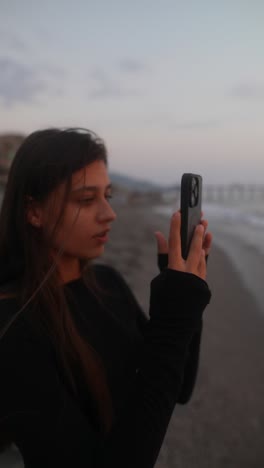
(106, 213)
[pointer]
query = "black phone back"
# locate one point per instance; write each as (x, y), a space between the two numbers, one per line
(191, 205)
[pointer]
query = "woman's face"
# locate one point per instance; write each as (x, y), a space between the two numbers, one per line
(90, 193)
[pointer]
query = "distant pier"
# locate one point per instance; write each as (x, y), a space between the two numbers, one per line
(221, 193)
(234, 192)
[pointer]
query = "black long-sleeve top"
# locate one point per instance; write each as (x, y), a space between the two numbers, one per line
(151, 365)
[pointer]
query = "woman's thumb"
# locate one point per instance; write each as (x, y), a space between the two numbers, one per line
(161, 243)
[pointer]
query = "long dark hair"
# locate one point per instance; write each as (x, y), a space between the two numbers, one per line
(46, 159)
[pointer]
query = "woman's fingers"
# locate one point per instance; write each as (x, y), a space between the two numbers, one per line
(175, 254)
(199, 249)
(207, 242)
(202, 268)
(161, 243)
(204, 223)
(195, 252)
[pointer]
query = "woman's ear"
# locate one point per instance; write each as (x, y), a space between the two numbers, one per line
(33, 212)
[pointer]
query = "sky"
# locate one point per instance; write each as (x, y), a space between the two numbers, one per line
(171, 86)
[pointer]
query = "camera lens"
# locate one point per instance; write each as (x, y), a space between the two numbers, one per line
(194, 189)
(193, 200)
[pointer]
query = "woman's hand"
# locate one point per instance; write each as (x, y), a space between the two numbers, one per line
(199, 249)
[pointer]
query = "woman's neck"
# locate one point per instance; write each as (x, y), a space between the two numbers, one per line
(69, 269)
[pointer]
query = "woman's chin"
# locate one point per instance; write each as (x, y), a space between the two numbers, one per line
(94, 253)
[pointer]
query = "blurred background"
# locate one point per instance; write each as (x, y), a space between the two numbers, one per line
(172, 87)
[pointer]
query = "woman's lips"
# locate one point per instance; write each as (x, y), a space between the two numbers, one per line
(102, 237)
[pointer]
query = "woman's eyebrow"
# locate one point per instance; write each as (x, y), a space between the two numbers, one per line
(93, 188)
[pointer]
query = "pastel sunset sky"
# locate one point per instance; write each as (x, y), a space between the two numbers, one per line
(171, 86)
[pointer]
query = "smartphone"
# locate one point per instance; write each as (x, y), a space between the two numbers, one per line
(191, 207)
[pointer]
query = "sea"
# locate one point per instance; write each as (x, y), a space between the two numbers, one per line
(244, 220)
(238, 230)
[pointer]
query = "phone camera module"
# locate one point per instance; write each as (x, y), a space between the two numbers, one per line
(194, 192)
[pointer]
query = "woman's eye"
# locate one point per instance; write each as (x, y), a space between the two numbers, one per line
(86, 200)
(90, 200)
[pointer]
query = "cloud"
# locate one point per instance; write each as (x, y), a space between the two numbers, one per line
(20, 82)
(248, 90)
(112, 85)
(106, 87)
(193, 125)
(11, 41)
(165, 119)
(132, 66)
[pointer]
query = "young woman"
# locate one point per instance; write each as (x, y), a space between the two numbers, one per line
(86, 379)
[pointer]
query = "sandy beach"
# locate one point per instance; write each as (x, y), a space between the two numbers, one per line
(223, 424)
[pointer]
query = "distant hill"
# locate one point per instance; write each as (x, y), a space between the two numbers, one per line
(131, 183)
(9, 143)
